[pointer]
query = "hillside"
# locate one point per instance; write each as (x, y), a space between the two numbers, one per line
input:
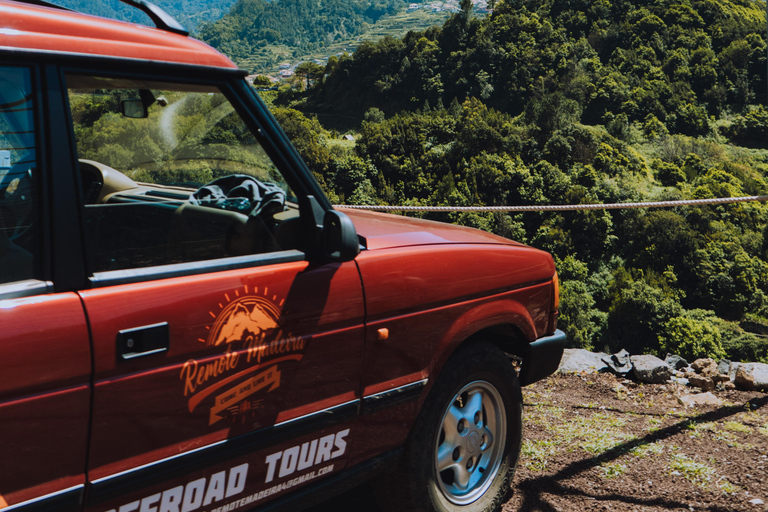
(568, 103)
(302, 25)
(190, 13)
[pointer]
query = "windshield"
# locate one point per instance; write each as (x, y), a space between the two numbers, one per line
(163, 133)
(171, 174)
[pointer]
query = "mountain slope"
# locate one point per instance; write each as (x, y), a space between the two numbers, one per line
(302, 24)
(189, 13)
(551, 102)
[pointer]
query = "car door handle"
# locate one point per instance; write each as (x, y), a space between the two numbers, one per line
(142, 341)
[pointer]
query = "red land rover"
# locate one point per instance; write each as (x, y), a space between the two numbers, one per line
(186, 324)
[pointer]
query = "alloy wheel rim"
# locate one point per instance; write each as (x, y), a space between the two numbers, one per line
(470, 443)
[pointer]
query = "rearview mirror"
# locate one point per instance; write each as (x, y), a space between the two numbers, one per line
(134, 109)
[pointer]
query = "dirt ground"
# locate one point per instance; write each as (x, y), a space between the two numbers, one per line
(598, 442)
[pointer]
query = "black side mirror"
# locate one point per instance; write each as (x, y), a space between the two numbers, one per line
(339, 237)
(135, 109)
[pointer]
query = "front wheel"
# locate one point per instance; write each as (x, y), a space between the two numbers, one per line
(462, 453)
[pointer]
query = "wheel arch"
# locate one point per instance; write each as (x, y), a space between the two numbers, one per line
(506, 324)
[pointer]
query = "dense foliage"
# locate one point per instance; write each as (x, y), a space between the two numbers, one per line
(190, 13)
(302, 24)
(679, 61)
(573, 103)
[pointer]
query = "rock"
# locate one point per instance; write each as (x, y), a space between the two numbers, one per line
(680, 380)
(726, 386)
(724, 367)
(675, 361)
(619, 362)
(700, 381)
(650, 369)
(580, 360)
(732, 372)
(752, 376)
(756, 501)
(699, 399)
(706, 367)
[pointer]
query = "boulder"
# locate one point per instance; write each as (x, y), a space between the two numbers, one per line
(726, 386)
(724, 366)
(675, 361)
(650, 369)
(706, 367)
(752, 376)
(580, 360)
(699, 399)
(699, 381)
(733, 370)
(620, 362)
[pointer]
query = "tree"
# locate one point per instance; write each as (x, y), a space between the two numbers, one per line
(261, 81)
(691, 338)
(311, 71)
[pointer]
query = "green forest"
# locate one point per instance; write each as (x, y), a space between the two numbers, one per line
(252, 25)
(190, 13)
(575, 102)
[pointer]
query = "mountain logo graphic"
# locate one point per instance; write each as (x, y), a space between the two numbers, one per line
(244, 317)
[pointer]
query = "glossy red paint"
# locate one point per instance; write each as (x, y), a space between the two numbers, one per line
(431, 299)
(382, 230)
(405, 280)
(147, 408)
(44, 400)
(54, 30)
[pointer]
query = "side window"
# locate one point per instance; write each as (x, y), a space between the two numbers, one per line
(18, 205)
(171, 174)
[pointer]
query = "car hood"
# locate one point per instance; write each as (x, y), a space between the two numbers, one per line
(381, 231)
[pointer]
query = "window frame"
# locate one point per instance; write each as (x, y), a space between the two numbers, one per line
(40, 282)
(253, 112)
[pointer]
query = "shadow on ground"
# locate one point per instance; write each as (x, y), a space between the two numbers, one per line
(533, 490)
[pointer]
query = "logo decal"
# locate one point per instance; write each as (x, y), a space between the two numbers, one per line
(194, 495)
(249, 329)
(249, 314)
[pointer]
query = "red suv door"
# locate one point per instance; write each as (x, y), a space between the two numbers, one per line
(45, 358)
(226, 363)
(247, 350)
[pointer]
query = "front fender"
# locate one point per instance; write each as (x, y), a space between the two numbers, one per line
(502, 312)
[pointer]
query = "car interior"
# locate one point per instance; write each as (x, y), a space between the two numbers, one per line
(133, 224)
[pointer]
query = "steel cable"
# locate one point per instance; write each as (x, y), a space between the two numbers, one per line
(558, 207)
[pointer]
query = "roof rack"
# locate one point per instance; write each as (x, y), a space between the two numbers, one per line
(161, 19)
(42, 3)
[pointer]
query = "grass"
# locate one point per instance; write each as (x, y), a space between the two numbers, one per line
(607, 436)
(647, 449)
(727, 487)
(613, 469)
(692, 470)
(537, 454)
(735, 426)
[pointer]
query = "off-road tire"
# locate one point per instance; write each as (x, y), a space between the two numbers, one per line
(484, 445)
